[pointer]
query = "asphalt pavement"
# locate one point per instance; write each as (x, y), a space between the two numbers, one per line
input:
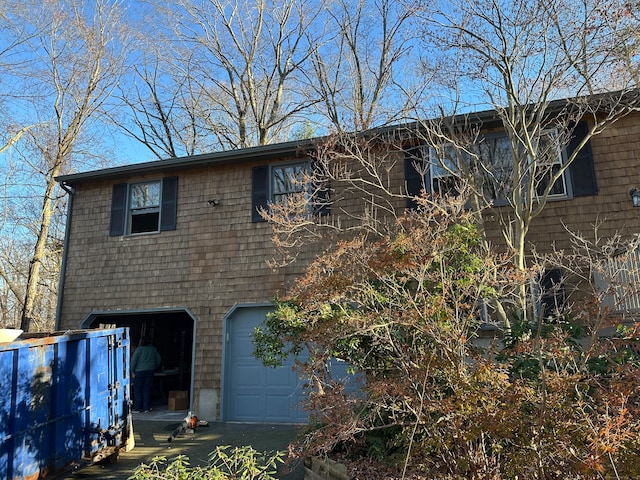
(153, 429)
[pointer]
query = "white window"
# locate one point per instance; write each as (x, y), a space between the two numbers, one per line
(287, 180)
(496, 155)
(274, 185)
(144, 207)
(549, 163)
(493, 164)
(443, 164)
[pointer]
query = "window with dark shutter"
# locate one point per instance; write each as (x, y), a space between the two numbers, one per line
(582, 171)
(494, 150)
(144, 207)
(276, 183)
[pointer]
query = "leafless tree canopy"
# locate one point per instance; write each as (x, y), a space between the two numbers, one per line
(241, 64)
(61, 66)
(204, 75)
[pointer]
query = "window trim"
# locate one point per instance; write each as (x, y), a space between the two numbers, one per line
(156, 208)
(304, 187)
(561, 159)
(444, 168)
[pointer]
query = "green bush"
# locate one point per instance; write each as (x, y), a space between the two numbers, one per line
(242, 463)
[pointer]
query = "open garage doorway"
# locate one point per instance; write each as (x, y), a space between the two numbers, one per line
(172, 332)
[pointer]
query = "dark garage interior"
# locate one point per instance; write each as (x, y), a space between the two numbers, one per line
(171, 333)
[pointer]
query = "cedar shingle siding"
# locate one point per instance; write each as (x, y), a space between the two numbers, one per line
(208, 258)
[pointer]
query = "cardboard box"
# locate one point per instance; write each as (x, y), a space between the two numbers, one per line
(178, 400)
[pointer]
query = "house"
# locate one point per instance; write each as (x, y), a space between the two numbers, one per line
(176, 249)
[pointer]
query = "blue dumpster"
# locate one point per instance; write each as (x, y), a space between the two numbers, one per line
(64, 401)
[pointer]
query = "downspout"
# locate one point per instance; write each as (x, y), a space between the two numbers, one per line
(65, 247)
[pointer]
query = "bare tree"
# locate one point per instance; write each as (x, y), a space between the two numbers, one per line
(543, 83)
(235, 66)
(519, 58)
(164, 111)
(13, 36)
(602, 46)
(68, 68)
(13, 274)
(362, 72)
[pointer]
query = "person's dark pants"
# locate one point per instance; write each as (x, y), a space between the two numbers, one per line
(142, 389)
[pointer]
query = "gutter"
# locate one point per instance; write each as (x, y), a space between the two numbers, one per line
(65, 249)
(297, 148)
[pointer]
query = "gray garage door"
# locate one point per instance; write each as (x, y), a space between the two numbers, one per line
(252, 392)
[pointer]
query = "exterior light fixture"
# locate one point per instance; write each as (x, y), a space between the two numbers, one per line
(214, 202)
(635, 197)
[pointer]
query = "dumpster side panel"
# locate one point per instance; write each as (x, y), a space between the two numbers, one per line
(64, 401)
(8, 370)
(67, 438)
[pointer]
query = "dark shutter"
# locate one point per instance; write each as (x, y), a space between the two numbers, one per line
(552, 293)
(583, 175)
(413, 176)
(169, 207)
(322, 193)
(118, 209)
(259, 192)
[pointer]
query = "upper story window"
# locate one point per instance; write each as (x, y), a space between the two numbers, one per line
(550, 160)
(496, 155)
(287, 180)
(442, 163)
(144, 207)
(496, 152)
(491, 162)
(275, 183)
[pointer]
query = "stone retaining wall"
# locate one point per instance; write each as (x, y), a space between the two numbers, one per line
(324, 469)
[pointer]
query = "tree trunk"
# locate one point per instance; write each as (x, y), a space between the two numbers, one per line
(39, 252)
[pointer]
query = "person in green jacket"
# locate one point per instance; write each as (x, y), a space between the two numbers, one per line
(144, 362)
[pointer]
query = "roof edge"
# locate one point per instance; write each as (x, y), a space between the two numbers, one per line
(301, 148)
(295, 148)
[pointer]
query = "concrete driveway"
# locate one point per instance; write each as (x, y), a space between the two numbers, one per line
(152, 430)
